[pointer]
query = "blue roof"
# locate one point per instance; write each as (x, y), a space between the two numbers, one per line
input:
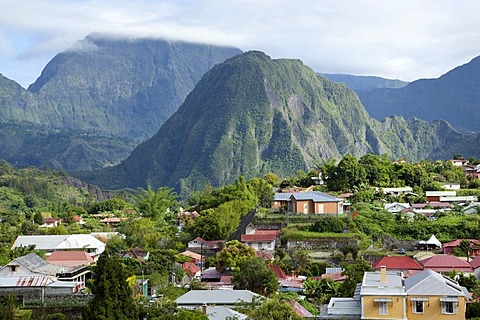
(315, 196)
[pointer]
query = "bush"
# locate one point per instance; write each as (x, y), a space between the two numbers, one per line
(56, 316)
(328, 224)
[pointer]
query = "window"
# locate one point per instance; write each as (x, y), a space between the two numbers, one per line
(417, 307)
(13, 268)
(383, 308)
(449, 307)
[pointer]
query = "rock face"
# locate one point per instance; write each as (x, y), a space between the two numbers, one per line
(252, 115)
(454, 97)
(96, 101)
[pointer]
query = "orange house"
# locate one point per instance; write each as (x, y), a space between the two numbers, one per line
(312, 202)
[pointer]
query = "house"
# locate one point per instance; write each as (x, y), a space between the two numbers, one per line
(195, 257)
(186, 217)
(311, 202)
(50, 222)
(198, 298)
(406, 264)
(459, 162)
(475, 263)
(261, 239)
(451, 186)
(205, 246)
(474, 247)
(136, 253)
(191, 269)
(70, 258)
(472, 208)
(396, 207)
(387, 295)
(51, 243)
(433, 296)
(221, 313)
(397, 191)
(472, 171)
(445, 263)
(438, 195)
(31, 278)
(33, 265)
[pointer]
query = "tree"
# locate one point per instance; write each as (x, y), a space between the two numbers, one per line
(354, 273)
(348, 174)
(252, 274)
(230, 256)
(274, 309)
(112, 296)
(158, 205)
(464, 246)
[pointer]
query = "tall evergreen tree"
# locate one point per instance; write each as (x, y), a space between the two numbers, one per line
(113, 298)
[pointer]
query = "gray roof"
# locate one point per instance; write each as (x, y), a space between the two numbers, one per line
(316, 196)
(221, 313)
(57, 242)
(36, 264)
(429, 282)
(372, 285)
(218, 297)
(342, 308)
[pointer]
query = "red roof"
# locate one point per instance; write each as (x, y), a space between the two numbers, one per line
(278, 271)
(456, 243)
(475, 263)
(258, 237)
(190, 268)
(50, 220)
(264, 255)
(446, 263)
(70, 258)
(335, 276)
(398, 263)
(300, 310)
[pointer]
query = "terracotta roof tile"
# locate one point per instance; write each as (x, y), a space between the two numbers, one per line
(398, 263)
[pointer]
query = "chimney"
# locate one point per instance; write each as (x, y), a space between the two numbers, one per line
(204, 308)
(383, 274)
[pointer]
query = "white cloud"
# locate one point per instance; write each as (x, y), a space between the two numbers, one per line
(407, 39)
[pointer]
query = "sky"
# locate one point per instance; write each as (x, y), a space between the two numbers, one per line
(406, 40)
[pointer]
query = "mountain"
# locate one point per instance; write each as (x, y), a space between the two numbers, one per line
(365, 83)
(454, 97)
(252, 115)
(96, 101)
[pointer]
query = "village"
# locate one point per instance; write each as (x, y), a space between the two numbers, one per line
(301, 228)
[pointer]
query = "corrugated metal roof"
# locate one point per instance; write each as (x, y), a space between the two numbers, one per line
(25, 281)
(36, 264)
(316, 196)
(220, 297)
(430, 282)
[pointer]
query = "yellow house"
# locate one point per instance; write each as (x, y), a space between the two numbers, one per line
(427, 295)
(383, 295)
(431, 295)
(311, 202)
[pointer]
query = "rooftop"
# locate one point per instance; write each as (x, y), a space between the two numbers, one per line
(218, 297)
(446, 263)
(398, 263)
(430, 282)
(372, 285)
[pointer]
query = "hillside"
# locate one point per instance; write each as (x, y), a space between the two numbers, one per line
(96, 101)
(454, 97)
(365, 83)
(251, 115)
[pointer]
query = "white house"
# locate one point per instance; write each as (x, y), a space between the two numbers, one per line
(50, 243)
(396, 207)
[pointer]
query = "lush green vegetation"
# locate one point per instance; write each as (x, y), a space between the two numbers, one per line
(252, 115)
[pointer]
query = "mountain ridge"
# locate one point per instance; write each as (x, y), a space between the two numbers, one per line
(252, 115)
